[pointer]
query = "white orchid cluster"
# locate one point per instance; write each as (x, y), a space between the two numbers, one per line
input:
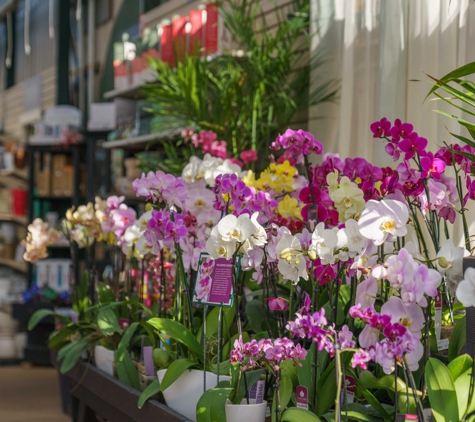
(207, 169)
(235, 234)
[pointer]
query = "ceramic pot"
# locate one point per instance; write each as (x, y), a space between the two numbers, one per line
(104, 359)
(183, 395)
(251, 412)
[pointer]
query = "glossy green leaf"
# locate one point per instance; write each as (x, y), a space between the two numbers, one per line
(176, 368)
(104, 293)
(179, 333)
(441, 391)
(289, 369)
(304, 373)
(126, 370)
(211, 406)
(40, 314)
(294, 414)
(152, 389)
(466, 141)
(354, 412)
(107, 322)
(457, 339)
(376, 405)
(459, 365)
(326, 390)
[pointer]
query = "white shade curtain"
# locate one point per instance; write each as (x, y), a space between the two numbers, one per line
(374, 48)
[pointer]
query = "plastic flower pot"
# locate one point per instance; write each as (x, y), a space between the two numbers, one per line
(183, 395)
(104, 359)
(251, 412)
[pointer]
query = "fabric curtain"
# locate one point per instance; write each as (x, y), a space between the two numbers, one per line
(378, 50)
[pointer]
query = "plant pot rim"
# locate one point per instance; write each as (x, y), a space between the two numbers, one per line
(244, 403)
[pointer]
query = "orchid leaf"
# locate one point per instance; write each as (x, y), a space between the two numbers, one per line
(152, 389)
(211, 406)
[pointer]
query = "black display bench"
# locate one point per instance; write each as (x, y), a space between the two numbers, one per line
(36, 351)
(96, 393)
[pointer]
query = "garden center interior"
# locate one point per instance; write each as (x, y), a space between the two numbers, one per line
(228, 210)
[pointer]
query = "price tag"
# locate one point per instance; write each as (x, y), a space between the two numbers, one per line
(148, 361)
(442, 344)
(350, 386)
(405, 418)
(301, 395)
(124, 323)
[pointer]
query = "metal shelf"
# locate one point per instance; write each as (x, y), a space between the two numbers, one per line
(17, 173)
(132, 92)
(21, 266)
(139, 141)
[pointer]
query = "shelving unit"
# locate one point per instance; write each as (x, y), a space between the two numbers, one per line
(20, 266)
(19, 219)
(131, 92)
(139, 142)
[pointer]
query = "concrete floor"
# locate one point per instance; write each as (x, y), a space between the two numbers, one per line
(30, 394)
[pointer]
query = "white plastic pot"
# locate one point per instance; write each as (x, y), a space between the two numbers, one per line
(21, 339)
(8, 325)
(7, 346)
(183, 395)
(251, 412)
(104, 359)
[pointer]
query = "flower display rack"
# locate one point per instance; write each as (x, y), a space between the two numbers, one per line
(94, 392)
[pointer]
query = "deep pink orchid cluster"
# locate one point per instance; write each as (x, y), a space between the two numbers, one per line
(299, 143)
(209, 144)
(165, 229)
(266, 351)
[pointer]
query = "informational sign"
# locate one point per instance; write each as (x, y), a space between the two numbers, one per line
(301, 395)
(214, 281)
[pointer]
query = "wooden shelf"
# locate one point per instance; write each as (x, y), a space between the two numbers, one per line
(132, 92)
(53, 198)
(140, 141)
(20, 219)
(17, 173)
(21, 266)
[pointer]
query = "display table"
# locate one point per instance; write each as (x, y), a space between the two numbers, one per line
(94, 392)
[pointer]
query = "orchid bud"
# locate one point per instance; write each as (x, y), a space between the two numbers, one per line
(443, 263)
(312, 254)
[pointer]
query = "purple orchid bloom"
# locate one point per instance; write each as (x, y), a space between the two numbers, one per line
(432, 166)
(412, 145)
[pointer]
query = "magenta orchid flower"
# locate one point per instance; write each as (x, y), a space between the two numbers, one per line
(432, 166)
(412, 145)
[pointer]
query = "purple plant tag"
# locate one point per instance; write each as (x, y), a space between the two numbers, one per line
(74, 317)
(301, 395)
(260, 387)
(214, 281)
(148, 361)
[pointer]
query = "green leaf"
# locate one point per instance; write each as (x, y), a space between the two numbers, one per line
(152, 389)
(374, 402)
(74, 354)
(462, 390)
(104, 294)
(460, 72)
(211, 405)
(285, 391)
(457, 339)
(459, 365)
(354, 412)
(107, 322)
(43, 313)
(174, 371)
(289, 369)
(127, 336)
(212, 323)
(126, 370)
(251, 377)
(304, 373)
(255, 313)
(179, 333)
(294, 414)
(465, 140)
(61, 337)
(441, 391)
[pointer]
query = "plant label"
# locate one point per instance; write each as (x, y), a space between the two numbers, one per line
(350, 388)
(260, 387)
(438, 315)
(148, 361)
(214, 282)
(301, 395)
(400, 417)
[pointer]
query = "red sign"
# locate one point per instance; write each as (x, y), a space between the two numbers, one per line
(211, 29)
(196, 32)
(179, 36)
(166, 46)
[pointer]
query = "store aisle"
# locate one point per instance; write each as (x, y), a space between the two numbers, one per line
(30, 395)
